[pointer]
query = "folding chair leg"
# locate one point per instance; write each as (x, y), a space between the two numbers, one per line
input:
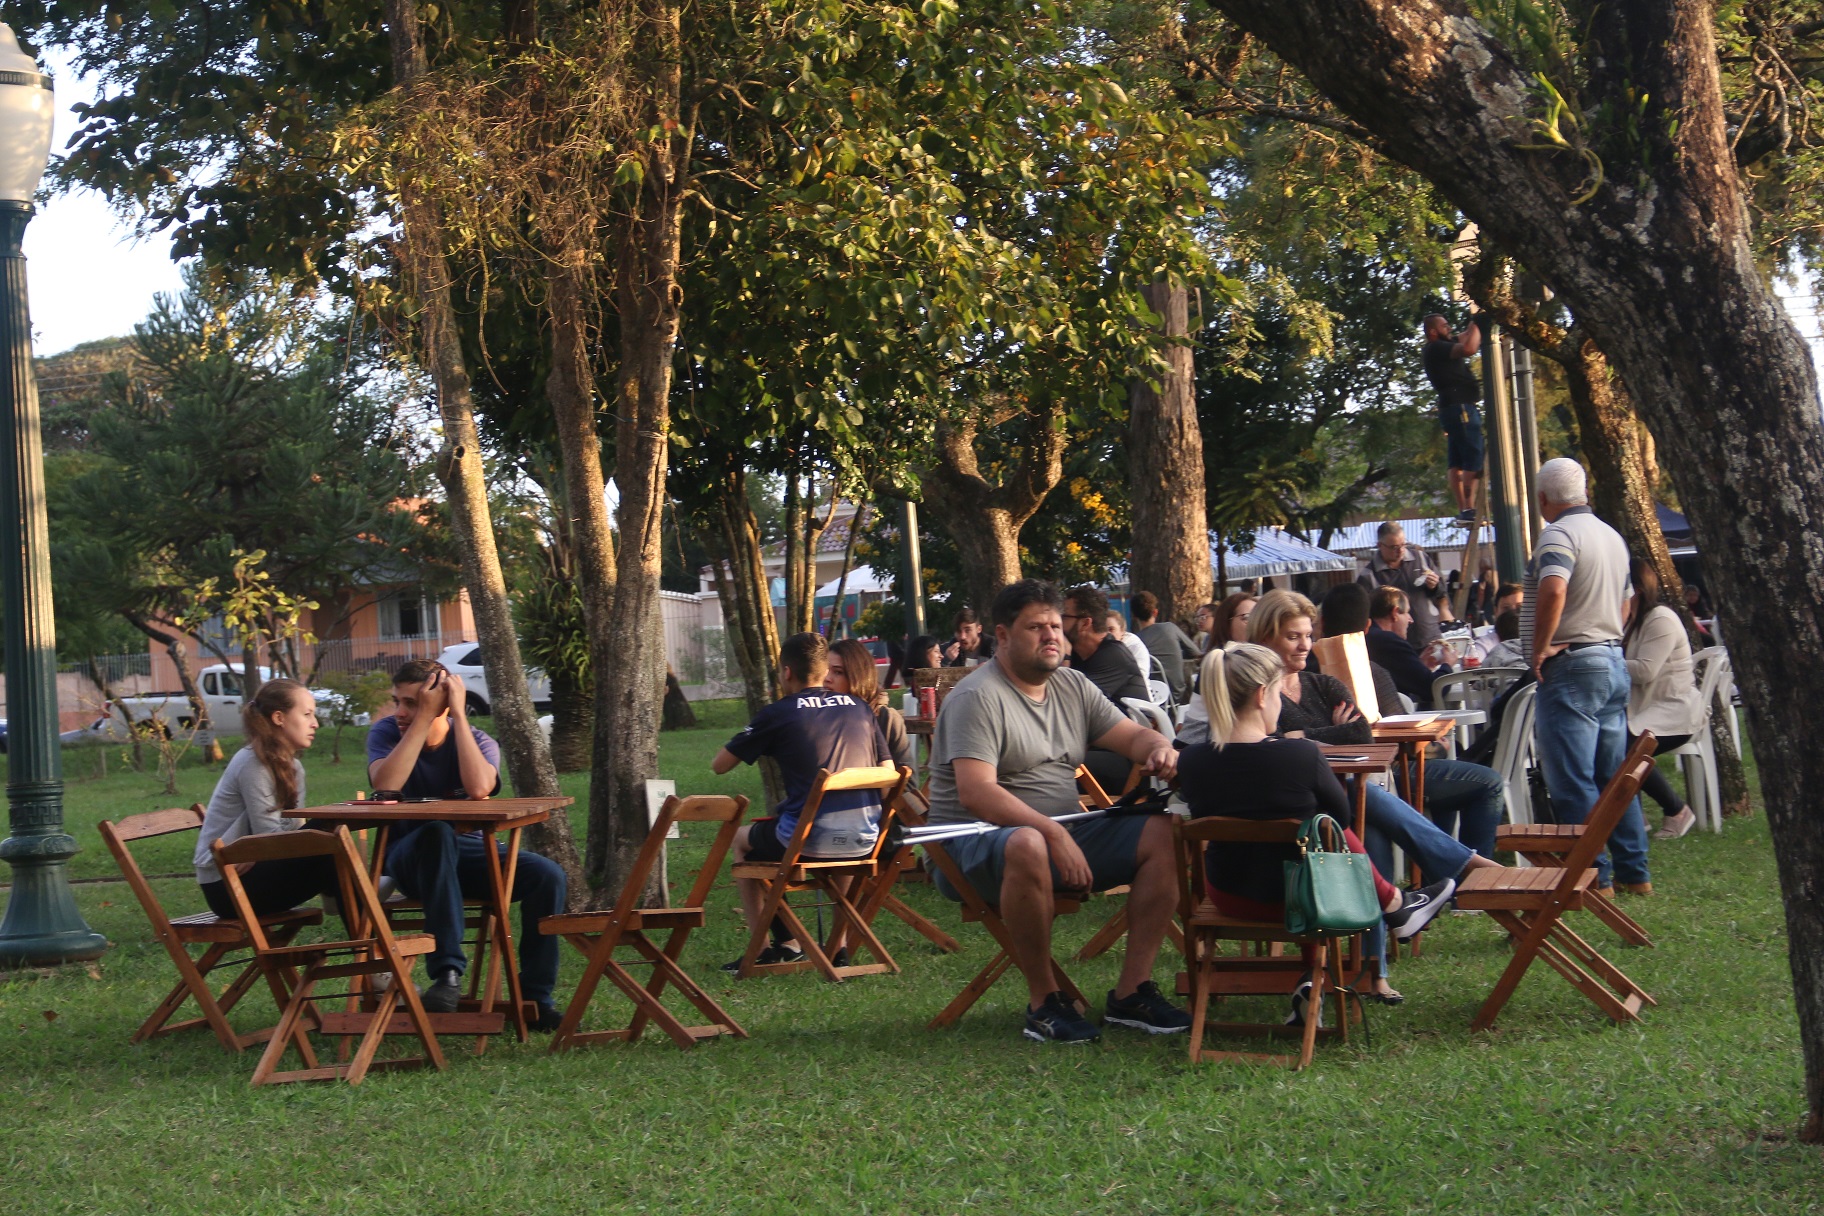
(643, 1000)
(289, 1032)
(849, 916)
(1111, 932)
(596, 958)
(665, 968)
(972, 991)
(1307, 1046)
(928, 928)
(193, 983)
(1626, 927)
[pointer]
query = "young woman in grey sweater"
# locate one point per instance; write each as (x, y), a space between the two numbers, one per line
(262, 782)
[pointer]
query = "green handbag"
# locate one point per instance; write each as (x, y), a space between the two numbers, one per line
(1329, 889)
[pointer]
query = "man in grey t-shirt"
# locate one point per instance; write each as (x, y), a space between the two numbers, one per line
(1006, 751)
(1570, 622)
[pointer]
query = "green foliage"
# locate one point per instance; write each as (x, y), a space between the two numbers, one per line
(249, 426)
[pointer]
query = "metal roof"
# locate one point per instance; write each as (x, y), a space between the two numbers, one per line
(1441, 532)
(1276, 551)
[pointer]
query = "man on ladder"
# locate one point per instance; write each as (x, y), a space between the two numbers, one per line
(1447, 358)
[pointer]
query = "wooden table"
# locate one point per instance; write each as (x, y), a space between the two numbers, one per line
(1412, 741)
(1375, 758)
(496, 815)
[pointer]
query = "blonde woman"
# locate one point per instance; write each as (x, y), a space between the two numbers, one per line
(1246, 771)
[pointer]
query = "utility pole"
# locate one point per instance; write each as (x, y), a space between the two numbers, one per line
(913, 584)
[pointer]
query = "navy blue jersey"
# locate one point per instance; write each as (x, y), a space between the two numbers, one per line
(437, 773)
(817, 729)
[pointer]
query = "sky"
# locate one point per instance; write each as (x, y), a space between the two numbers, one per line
(89, 277)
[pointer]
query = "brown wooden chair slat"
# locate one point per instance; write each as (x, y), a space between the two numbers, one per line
(1546, 845)
(220, 938)
(599, 934)
(1530, 904)
(294, 971)
(1215, 975)
(796, 873)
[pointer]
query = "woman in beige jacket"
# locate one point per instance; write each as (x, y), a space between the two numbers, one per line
(1665, 699)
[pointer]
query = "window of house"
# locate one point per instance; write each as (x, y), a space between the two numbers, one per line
(408, 614)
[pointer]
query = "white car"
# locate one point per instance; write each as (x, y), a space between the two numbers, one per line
(220, 686)
(464, 659)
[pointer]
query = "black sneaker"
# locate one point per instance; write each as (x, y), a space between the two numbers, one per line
(778, 952)
(1418, 907)
(1466, 517)
(840, 958)
(1058, 1021)
(549, 1018)
(1301, 1006)
(1146, 1009)
(444, 991)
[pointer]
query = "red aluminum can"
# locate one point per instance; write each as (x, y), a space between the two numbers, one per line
(927, 702)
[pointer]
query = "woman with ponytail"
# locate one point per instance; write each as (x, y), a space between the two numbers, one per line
(1246, 772)
(262, 782)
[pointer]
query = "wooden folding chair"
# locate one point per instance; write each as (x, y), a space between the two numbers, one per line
(371, 950)
(796, 872)
(1093, 797)
(879, 895)
(1548, 844)
(219, 937)
(1216, 975)
(599, 934)
(1530, 904)
(977, 910)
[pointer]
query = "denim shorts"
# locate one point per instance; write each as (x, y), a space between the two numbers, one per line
(1109, 845)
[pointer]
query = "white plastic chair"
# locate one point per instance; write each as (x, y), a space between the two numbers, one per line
(1697, 756)
(1151, 716)
(1473, 688)
(1513, 751)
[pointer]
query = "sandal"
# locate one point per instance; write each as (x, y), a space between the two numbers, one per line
(1390, 997)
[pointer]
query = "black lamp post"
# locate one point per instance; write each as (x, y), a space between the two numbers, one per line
(42, 924)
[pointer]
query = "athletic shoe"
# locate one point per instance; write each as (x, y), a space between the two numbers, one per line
(444, 992)
(1301, 1002)
(1145, 1009)
(1466, 517)
(1418, 907)
(1677, 825)
(840, 958)
(1057, 1021)
(778, 952)
(549, 1018)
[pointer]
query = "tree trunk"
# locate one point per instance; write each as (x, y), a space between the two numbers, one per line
(848, 564)
(570, 388)
(115, 702)
(1655, 260)
(747, 610)
(459, 468)
(982, 519)
(1165, 472)
(647, 294)
(803, 535)
(186, 678)
(572, 723)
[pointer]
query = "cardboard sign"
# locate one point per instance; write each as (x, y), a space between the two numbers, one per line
(1346, 657)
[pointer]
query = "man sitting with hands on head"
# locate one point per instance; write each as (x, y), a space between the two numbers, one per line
(427, 749)
(1006, 751)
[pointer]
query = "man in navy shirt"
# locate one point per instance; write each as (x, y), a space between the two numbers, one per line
(807, 729)
(427, 749)
(1390, 616)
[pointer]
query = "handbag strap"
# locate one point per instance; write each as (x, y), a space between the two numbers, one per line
(1321, 834)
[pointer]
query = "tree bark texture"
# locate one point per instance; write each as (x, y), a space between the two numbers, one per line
(459, 468)
(570, 388)
(804, 531)
(1656, 262)
(647, 294)
(747, 608)
(983, 519)
(1165, 472)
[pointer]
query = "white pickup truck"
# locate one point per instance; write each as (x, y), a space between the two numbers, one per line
(221, 689)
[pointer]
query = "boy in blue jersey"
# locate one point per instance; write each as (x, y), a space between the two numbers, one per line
(807, 729)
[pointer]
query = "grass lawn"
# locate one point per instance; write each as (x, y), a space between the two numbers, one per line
(842, 1101)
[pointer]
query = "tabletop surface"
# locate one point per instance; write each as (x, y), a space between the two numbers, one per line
(1380, 756)
(1429, 732)
(493, 810)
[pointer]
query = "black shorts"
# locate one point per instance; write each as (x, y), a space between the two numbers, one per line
(763, 843)
(1463, 436)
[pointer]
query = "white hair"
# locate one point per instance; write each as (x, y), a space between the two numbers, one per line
(1563, 481)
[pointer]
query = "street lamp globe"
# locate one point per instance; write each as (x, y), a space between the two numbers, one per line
(26, 111)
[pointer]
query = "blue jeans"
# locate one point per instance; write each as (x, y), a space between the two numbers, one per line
(438, 867)
(1391, 821)
(1580, 730)
(1457, 789)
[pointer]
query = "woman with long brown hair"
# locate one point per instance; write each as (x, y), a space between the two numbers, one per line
(852, 671)
(263, 781)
